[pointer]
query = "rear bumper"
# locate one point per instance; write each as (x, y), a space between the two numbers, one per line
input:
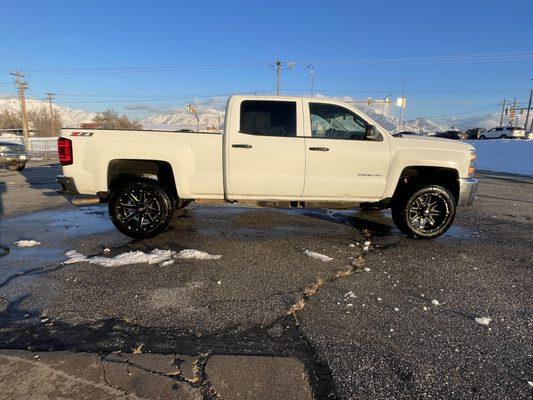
(11, 158)
(68, 186)
(467, 191)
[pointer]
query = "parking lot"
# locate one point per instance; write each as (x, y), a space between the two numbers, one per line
(387, 317)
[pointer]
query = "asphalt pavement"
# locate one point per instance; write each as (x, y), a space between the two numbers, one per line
(387, 317)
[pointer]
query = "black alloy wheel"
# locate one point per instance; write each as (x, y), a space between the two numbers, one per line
(426, 213)
(141, 209)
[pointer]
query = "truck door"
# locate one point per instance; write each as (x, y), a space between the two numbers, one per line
(266, 157)
(341, 161)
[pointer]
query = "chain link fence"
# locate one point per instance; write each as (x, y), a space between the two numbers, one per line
(40, 148)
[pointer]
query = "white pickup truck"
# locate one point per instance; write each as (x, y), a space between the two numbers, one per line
(273, 148)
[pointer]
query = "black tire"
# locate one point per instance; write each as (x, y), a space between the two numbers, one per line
(504, 136)
(482, 137)
(425, 212)
(141, 208)
(16, 167)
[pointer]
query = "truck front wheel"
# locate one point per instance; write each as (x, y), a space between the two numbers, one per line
(424, 213)
(140, 209)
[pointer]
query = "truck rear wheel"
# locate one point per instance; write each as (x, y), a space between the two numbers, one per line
(141, 209)
(424, 213)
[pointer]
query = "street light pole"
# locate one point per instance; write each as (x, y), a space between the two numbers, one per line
(311, 69)
(526, 128)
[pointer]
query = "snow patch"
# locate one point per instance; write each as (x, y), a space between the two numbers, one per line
(435, 302)
(27, 243)
(483, 320)
(318, 256)
(504, 155)
(188, 254)
(133, 257)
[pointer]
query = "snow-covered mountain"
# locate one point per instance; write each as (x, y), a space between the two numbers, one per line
(214, 118)
(211, 115)
(181, 119)
(69, 116)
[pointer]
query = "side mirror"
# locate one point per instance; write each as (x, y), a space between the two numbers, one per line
(373, 134)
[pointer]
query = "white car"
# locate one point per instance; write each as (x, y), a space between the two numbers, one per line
(273, 149)
(504, 132)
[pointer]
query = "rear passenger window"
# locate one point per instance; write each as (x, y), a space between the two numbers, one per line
(268, 118)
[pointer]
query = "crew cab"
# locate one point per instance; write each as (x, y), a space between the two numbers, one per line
(273, 148)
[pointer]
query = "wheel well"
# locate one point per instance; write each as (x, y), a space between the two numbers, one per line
(412, 177)
(120, 171)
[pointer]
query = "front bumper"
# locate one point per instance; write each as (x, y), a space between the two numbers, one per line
(68, 187)
(467, 191)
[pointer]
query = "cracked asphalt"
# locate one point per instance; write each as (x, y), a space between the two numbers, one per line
(393, 319)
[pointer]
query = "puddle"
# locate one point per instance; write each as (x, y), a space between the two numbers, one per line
(459, 232)
(57, 230)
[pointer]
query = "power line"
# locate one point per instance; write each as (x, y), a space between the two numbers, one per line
(462, 58)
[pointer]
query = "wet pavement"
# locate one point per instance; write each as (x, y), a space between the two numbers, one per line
(388, 317)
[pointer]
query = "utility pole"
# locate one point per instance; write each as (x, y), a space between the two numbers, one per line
(22, 86)
(50, 98)
(278, 75)
(503, 110)
(526, 128)
(279, 65)
(311, 69)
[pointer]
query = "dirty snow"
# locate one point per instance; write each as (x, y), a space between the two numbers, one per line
(132, 257)
(165, 257)
(504, 155)
(318, 256)
(197, 254)
(483, 320)
(27, 243)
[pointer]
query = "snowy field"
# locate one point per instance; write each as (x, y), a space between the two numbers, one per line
(504, 155)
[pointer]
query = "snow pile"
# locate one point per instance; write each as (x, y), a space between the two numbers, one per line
(483, 320)
(156, 256)
(197, 255)
(318, 256)
(27, 243)
(504, 155)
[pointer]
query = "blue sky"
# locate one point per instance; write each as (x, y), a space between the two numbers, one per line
(70, 48)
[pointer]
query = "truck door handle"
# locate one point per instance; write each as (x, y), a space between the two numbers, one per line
(318, 149)
(242, 146)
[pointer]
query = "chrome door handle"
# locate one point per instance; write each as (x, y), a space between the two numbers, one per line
(318, 149)
(242, 146)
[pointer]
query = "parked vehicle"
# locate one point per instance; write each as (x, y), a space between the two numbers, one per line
(13, 156)
(273, 148)
(504, 132)
(473, 133)
(404, 133)
(455, 135)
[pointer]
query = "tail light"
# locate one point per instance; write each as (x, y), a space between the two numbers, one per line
(64, 151)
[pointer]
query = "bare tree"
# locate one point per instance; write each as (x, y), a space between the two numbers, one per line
(109, 119)
(41, 124)
(10, 120)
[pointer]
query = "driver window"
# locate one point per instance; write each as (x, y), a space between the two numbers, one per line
(333, 122)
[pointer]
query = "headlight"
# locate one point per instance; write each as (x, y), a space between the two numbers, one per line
(472, 167)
